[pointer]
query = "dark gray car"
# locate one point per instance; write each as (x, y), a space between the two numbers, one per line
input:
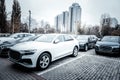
(109, 44)
(86, 42)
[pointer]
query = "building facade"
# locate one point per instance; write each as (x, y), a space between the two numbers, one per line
(61, 22)
(68, 20)
(74, 17)
(108, 21)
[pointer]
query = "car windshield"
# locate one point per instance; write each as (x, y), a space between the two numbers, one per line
(111, 39)
(82, 37)
(45, 38)
(27, 38)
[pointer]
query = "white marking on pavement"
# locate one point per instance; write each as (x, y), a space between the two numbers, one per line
(40, 73)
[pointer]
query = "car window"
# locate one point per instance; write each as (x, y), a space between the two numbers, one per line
(26, 35)
(60, 38)
(68, 38)
(111, 39)
(16, 35)
(45, 38)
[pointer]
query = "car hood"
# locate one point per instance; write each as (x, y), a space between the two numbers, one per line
(108, 43)
(30, 45)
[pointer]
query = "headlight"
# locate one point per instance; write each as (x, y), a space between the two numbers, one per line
(28, 52)
(97, 45)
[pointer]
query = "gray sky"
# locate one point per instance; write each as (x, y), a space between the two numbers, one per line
(48, 9)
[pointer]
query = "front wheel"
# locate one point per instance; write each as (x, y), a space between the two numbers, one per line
(75, 52)
(43, 61)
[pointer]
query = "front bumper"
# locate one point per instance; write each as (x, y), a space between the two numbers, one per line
(81, 46)
(108, 50)
(4, 49)
(24, 60)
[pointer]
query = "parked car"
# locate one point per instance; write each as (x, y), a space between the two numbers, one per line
(42, 51)
(14, 37)
(4, 48)
(6, 44)
(109, 45)
(86, 42)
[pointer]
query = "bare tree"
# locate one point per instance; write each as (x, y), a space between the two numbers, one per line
(116, 32)
(3, 22)
(16, 17)
(79, 28)
(24, 27)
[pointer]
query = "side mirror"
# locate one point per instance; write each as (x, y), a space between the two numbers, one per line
(56, 41)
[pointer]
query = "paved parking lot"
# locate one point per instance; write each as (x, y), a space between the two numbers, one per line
(10, 71)
(87, 66)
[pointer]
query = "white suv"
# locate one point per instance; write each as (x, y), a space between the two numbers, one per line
(43, 50)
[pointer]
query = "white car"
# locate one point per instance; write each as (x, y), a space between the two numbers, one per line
(14, 37)
(4, 48)
(6, 42)
(42, 51)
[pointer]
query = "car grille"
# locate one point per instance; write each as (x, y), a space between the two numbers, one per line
(14, 55)
(116, 50)
(106, 48)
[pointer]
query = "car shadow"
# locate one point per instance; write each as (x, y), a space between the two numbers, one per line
(110, 55)
(20, 68)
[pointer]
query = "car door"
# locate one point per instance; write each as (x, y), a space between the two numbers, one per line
(58, 47)
(69, 44)
(91, 42)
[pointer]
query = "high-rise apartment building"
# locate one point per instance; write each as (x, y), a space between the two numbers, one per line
(74, 17)
(61, 22)
(67, 21)
(58, 22)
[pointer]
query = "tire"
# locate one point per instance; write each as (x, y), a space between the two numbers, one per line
(97, 52)
(75, 52)
(43, 61)
(86, 47)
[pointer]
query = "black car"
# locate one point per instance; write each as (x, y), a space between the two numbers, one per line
(108, 44)
(86, 42)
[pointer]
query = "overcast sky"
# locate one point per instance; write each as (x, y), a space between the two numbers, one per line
(48, 9)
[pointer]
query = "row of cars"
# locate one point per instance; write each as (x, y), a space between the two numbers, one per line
(39, 51)
(107, 45)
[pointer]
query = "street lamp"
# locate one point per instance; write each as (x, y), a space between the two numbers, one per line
(29, 20)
